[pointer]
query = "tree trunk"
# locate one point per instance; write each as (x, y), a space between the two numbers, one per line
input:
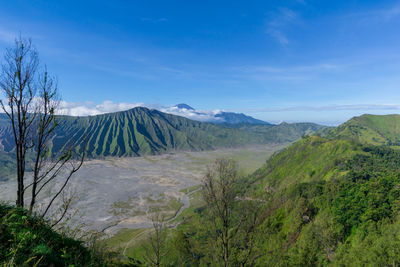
(20, 177)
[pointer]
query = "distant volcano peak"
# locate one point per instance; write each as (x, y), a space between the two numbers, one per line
(185, 106)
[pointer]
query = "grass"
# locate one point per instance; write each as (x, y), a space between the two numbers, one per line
(169, 207)
(135, 247)
(125, 207)
(190, 189)
(196, 201)
(371, 129)
(174, 204)
(310, 159)
(248, 158)
(122, 238)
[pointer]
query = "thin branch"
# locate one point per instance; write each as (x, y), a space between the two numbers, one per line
(75, 169)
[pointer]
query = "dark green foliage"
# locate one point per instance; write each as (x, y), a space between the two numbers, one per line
(26, 241)
(183, 246)
(378, 161)
(379, 247)
(331, 221)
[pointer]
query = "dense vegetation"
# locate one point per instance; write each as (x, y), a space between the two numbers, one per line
(325, 201)
(142, 131)
(29, 241)
(337, 219)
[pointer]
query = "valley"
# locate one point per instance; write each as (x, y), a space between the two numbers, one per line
(121, 193)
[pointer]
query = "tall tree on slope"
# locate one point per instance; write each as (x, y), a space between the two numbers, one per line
(31, 101)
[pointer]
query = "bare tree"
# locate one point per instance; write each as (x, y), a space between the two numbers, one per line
(32, 101)
(45, 125)
(219, 195)
(18, 83)
(156, 250)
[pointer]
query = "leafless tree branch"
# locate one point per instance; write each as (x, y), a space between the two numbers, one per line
(30, 104)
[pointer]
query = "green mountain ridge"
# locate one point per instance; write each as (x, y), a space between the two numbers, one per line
(234, 118)
(311, 159)
(141, 131)
(370, 129)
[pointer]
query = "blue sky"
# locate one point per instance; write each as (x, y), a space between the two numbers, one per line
(320, 61)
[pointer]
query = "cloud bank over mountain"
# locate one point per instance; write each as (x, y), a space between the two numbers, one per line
(274, 114)
(90, 109)
(190, 113)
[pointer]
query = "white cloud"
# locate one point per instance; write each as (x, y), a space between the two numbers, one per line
(278, 35)
(277, 25)
(198, 115)
(89, 109)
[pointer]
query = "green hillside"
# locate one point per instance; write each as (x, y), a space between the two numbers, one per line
(371, 129)
(29, 241)
(331, 201)
(142, 131)
(338, 221)
(311, 159)
(284, 132)
(334, 201)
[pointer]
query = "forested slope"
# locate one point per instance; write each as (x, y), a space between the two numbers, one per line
(327, 201)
